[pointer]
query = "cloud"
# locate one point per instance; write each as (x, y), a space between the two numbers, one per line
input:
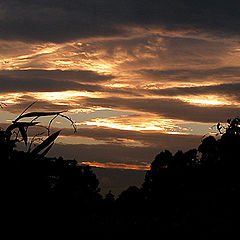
(119, 153)
(146, 57)
(116, 145)
(147, 138)
(221, 74)
(162, 102)
(48, 81)
(23, 101)
(169, 108)
(78, 76)
(230, 89)
(119, 139)
(58, 21)
(104, 153)
(164, 107)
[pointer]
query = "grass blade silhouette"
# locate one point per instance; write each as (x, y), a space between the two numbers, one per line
(23, 133)
(45, 143)
(27, 108)
(36, 114)
(20, 126)
(44, 153)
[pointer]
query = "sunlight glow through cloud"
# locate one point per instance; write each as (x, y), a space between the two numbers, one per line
(96, 79)
(65, 96)
(138, 123)
(208, 100)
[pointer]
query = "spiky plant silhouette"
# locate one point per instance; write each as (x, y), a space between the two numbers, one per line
(18, 132)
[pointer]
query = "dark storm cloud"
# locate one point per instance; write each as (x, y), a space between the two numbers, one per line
(59, 21)
(170, 108)
(41, 80)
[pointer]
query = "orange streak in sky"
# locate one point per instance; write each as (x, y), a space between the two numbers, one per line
(118, 165)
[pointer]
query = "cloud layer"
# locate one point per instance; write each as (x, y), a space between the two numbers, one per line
(59, 21)
(137, 76)
(50, 81)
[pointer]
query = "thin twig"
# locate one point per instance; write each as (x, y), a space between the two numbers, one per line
(34, 119)
(50, 122)
(73, 123)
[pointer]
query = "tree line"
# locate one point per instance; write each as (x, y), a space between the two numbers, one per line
(196, 190)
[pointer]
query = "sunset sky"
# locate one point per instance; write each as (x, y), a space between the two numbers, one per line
(137, 76)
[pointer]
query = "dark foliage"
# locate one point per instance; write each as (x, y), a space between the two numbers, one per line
(40, 192)
(197, 190)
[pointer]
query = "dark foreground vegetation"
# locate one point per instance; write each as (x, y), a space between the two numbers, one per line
(197, 190)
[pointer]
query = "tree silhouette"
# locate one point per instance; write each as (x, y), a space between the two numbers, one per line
(210, 151)
(196, 190)
(109, 197)
(37, 187)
